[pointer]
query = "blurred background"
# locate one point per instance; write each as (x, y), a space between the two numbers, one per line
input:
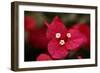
(68, 19)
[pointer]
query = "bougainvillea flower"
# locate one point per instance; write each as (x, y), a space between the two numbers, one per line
(30, 23)
(85, 29)
(38, 39)
(62, 39)
(43, 57)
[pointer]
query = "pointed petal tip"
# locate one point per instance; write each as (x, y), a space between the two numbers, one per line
(57, 18)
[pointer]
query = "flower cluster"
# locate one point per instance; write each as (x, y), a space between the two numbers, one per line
(56, 39)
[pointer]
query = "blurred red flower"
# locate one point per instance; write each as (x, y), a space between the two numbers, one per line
(61, 39)
(36, 36)
(43, 57)
(30, 23)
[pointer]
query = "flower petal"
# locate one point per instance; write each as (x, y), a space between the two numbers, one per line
(85, 29)
(75, 33)
(74, 44)
(43, 57)
(76, 40)
(57, 51)
(56, 26)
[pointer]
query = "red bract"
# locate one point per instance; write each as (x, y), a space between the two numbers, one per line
(56, 50)
(62, 40)
(76, 40)
(30, 23)
(85, 29)
(43, 57)
(55, 27)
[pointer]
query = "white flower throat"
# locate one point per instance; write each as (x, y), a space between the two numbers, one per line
(58, 35)
(62, 42)
(68, 35)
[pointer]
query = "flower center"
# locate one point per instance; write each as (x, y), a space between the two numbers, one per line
(58, 35)
(68, 35)
(62, 42)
